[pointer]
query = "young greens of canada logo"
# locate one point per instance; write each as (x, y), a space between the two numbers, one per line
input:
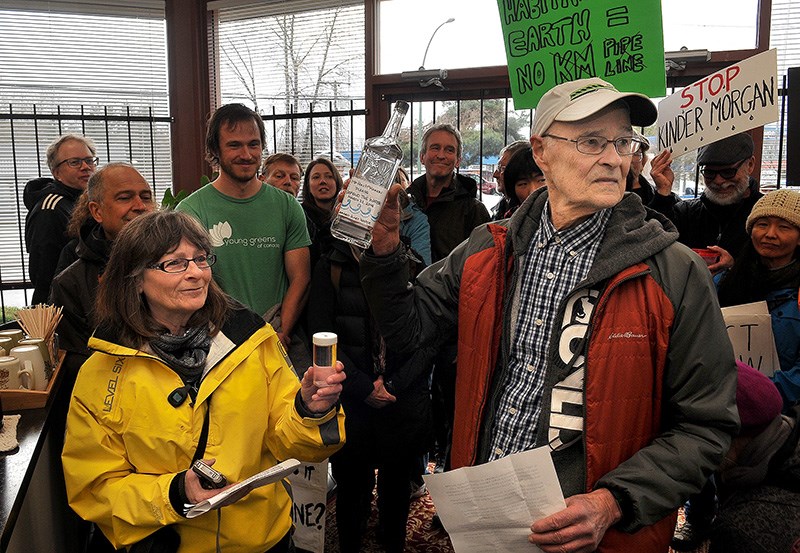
(219, 233)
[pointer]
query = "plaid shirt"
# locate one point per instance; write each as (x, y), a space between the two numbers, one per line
(555, 263)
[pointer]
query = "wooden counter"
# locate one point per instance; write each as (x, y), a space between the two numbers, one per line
(34, 515)
(16, 469)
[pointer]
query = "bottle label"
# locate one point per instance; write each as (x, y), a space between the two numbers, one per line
(363, 201)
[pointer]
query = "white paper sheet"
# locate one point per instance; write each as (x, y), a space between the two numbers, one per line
(490, 507)
(235, 493)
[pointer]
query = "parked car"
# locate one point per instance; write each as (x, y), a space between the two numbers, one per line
(487, 186)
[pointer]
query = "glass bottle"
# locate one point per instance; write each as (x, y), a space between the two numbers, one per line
(374, 174)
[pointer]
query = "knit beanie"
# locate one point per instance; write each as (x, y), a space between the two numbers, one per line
(757, 398)
(778, 203)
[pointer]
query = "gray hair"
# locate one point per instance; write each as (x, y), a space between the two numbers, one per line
(446, 127)
(95, 188)
(515, 147)
(55, 145)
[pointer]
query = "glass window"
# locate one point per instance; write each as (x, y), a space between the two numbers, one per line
(76, 71)
(783, 36)
(709, 24)
(309, 58)
(475, 39)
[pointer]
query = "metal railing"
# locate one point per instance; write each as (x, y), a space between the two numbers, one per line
(305, 143)
(143, 139)
(122, 133)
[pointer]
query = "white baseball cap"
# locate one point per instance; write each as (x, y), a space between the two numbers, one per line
(576, 100)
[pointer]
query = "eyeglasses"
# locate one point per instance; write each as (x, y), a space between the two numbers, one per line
(594, 145)
(726, 173)
(76, 162)
(180, 264)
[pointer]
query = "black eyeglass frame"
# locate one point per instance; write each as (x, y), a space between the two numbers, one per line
(727, 173)
(204, 261)
(76, 162)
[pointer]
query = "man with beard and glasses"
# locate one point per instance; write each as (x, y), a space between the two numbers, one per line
(258, 231)
(715, 220)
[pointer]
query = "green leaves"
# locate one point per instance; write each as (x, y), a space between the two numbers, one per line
(170, 201)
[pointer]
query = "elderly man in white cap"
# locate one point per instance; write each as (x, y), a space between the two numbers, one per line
(583, 327)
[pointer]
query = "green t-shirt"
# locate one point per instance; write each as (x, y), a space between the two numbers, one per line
(250, 238)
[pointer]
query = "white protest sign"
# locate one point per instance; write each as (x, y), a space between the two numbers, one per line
(750, 331)
(309, 498)
(740, 97)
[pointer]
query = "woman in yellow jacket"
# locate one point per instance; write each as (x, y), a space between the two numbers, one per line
(173, 355)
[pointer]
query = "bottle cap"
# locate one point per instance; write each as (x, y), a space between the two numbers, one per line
(324, 339)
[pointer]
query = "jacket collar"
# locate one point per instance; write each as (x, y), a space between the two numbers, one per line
(461, 187)
(633, 233)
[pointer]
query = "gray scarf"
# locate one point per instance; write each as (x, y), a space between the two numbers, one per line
(186, 354)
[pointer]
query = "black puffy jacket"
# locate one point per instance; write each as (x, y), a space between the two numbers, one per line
(75, 289)
(49, 204)
(452, 216)
(337, 304)
(701, 223)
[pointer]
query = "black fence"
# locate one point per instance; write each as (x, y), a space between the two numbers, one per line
(120, 133)
(138, 136)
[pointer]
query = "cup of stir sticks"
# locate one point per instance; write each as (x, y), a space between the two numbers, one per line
(41, 321)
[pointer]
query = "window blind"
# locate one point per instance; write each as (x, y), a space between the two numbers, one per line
(94, 68)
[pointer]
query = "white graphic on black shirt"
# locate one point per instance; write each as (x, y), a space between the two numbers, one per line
(566, 400)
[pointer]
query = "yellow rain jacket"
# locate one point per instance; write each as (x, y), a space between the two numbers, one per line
(125, 442)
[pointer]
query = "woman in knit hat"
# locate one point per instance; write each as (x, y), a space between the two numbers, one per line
(769, 270)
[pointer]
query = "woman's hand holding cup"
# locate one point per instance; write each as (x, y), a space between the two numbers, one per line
(320, 400)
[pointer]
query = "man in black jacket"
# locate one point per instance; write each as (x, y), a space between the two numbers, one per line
(115, 195)
(447, 198)
(715, 220)
(72, 160)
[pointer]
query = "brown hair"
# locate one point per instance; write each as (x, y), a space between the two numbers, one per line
(446, 127)
(279, 158)
(230, 115)
(308, 199)
(80, 214)
(121, 307)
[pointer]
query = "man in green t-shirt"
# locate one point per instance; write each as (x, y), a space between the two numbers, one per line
(258, 232)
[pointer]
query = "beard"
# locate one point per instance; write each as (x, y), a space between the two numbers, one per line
(240, 173)
(733, 193)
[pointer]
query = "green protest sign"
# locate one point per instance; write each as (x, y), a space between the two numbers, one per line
(549, 42)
